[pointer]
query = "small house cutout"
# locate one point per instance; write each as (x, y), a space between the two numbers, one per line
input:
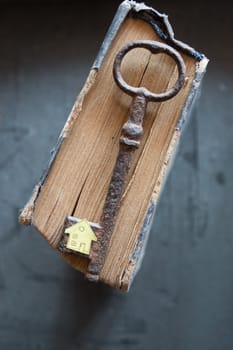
(80, 237)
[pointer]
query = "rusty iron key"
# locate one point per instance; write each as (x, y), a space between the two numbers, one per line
(131, 134)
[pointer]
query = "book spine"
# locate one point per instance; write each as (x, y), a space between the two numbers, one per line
(140, 247)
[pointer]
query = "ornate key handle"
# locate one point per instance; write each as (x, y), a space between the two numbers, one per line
(154, 47)
(131, 133)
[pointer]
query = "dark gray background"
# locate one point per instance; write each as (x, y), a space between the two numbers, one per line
(182, 298)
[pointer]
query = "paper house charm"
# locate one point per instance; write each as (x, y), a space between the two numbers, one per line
(80, 237)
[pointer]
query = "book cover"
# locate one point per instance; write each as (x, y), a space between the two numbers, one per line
(77, 178)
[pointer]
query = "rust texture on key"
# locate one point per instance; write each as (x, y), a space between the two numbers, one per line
(129, 141)
(131, 133)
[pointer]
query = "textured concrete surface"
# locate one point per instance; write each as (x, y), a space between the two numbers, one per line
(182, 298)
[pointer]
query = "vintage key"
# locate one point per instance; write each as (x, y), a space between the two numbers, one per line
(131, 134)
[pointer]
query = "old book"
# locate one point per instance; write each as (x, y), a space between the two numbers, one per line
(77, 179)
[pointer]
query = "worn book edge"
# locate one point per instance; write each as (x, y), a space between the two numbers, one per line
(139, 251)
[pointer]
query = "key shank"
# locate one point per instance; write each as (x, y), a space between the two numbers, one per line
(131, 134)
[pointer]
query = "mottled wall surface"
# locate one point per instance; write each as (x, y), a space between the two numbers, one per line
(182, 298)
